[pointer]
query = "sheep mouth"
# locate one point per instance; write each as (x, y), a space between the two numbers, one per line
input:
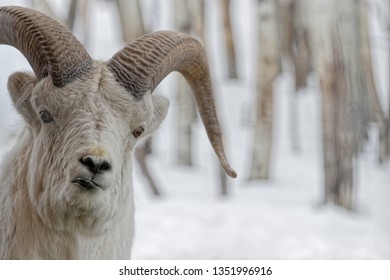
(86, 183)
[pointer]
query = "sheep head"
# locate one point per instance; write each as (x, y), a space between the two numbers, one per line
(83, 135)
(86, 116)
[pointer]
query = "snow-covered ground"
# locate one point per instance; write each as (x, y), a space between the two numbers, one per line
(279, 219)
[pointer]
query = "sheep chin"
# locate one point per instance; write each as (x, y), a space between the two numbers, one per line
(86, 212)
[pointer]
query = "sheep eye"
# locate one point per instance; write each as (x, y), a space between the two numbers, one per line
(138, 131)
(45, 116)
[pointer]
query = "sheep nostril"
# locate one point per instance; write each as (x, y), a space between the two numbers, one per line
(87, 161)
(96, 164)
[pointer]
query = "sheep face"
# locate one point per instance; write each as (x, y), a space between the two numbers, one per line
(83, 135)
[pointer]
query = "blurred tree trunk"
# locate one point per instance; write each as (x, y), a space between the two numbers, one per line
(197, 8)
(301, 47)
(286, 25)
(130, 15)
(141, 153)
(268, 68)
(286, 11)
(338, 57)
(76, 7)
(229, 38)
(386, 137)
(186, 105)
(387, 132)
(302, 63)
(296, 56)
(376, 112)
(72, 14)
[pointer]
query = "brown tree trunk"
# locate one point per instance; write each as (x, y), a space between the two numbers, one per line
(141, 154)
(186, 105)
(80, 8)
(131, 19)
(387, 138)
(337, 61)
(229, 38)
(72, 14)
(301, 61)
(268, 68)
(301, 52)
(296, 53)
(261, 154)
(375, 110)
(197, 8)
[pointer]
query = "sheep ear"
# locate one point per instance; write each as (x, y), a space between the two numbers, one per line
(20, 87)
(160, 105)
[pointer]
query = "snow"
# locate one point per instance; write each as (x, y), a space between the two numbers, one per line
(278, 219)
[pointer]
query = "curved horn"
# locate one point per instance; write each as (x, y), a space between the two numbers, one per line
(144, 63)
(48, 46)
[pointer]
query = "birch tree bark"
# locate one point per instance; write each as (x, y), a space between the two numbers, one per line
(387, 132)
(301, 47)
(229, 38)
(337, 60)
(376, 111)
(186, 106)
(131, 19)
(72, 14)
(81, 8)
(197, 8)
(295, 53)
(387, 136)
(268, 67)
(141, 154)
(302, 64)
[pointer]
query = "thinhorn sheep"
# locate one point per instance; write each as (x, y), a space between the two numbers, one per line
(66, 188)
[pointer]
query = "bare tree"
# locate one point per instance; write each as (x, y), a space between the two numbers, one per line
(268, 68)
(130, 15)
(141, 154)
(340, 48)
(375, 110)
(381, 12)
(186, 105)
(337, 116)
(229, 38)
(197, 9)
(79, 8)
(296, 56)
(301, 47)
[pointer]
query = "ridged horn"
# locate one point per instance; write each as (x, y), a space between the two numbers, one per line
(48, 46)
(145, 62)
